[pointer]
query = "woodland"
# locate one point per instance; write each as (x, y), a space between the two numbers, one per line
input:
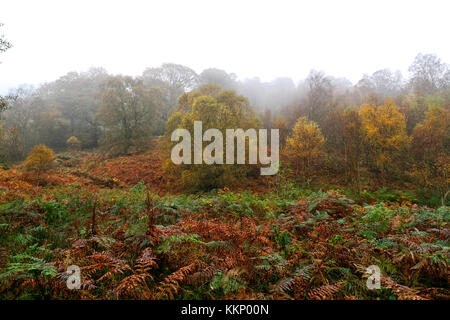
(86, 179)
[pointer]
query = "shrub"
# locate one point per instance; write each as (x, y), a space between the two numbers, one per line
(334, 203)
(73, 144)
(39, 160)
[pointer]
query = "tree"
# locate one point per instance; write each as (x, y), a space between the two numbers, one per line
(281, 125)
(4, 45)
(267, 119)
(217, 77)
(305, 144)
(73, 144)
(433, 135)
(429, 74)
(39, 160)
(414, 107)
(385, 138)
(216, 109)
(53, 112)
(279, 93)
(341, 85)
(383, 83)
(172, 79)
(128, 113)
(255, 91)
(353, 145)
(176, 75)
(268, 95)
(431, 148)
(31, 120)
(319, 95)
(12, 144)
(75, 96)
(342, 131)
(50, 127)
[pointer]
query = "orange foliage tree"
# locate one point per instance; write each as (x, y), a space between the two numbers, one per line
(39, 160)
(431, 146)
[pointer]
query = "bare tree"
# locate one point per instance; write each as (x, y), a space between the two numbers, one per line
(383, 83)
(429, 74)
(175, 75)
(319, 96)
(172, 79)
(4, 45)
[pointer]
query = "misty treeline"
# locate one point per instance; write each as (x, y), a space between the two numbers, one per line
(94, 105)
(383, 123)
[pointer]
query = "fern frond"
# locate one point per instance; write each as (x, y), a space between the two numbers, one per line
(325, 292)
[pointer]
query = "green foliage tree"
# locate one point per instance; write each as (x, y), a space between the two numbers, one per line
(128, 114)
(50, 127)
(75, 96)
(217, 77)
(173, 80)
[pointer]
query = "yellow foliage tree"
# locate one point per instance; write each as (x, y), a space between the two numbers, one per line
(73, 144)
(215, 108)
(385, 138)
(39, 160)
(305, 144)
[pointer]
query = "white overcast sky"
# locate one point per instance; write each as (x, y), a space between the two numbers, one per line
(268, 39)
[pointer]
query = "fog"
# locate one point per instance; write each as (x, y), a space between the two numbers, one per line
(265, 39)
(224, 150)
(71, 64)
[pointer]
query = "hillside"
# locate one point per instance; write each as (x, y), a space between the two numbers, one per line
(133, 237)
